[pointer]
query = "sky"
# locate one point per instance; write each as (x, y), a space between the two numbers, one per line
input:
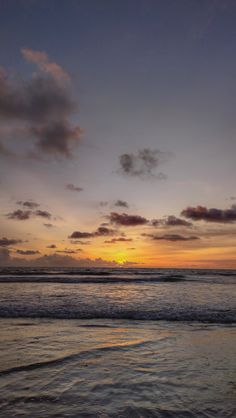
(117, 133)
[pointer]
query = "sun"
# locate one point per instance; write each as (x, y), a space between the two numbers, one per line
(121, 258)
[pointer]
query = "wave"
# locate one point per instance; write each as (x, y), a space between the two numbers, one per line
(92, 279)
(113, 275)
(71, 271)
(70, 357)
(227, 316)
(55, 271)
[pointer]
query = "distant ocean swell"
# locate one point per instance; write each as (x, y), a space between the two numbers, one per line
(40, 271)
(90, 279)
(132, 294)
(74, 277)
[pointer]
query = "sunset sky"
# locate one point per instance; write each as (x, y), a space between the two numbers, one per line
(118, 133)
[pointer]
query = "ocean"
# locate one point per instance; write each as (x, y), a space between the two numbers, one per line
(117, 343)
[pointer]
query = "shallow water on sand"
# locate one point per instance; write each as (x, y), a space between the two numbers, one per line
(116, 368)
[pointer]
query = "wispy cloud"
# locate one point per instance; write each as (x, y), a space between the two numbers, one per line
(170, 221)
(170, 237)
(69, 251)
(103, 204)
(28, 252)
(43, 214)
(29, 204)
(40, 58)
(74, 188)
(121, 204)
(144, 164)
(115, 240)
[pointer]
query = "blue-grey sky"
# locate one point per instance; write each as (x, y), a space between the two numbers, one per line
(129, 75)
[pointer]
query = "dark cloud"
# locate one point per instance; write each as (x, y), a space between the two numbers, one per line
(74, 188)
(173, 221)
(41, 106)
(20, 215)
(170, 221)
(56, 137)
(27, 252)
(126, 220)
(121, 239)
(201, 213)
(29, 204)
(103, 231)
(69, 251)
(103, 203)
(53, 246)
(170, 237)
(43, 214)
(81, 235)
(121, 203)
(6, 242)
(144, 164)
(49, 225)
(100, 232)
(36, 100)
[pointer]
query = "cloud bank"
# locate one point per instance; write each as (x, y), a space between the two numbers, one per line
(201, 213)
(55, 260)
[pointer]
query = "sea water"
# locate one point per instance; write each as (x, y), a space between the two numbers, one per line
(117, 343)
